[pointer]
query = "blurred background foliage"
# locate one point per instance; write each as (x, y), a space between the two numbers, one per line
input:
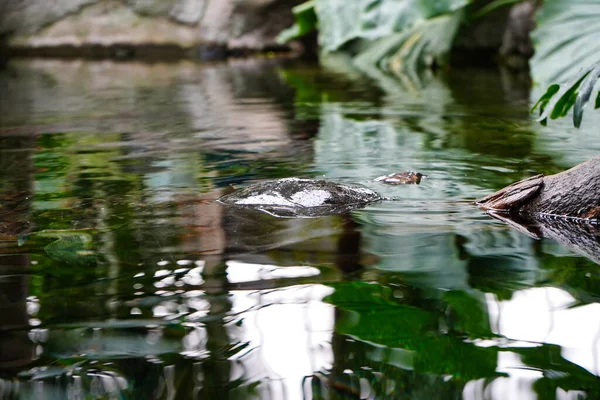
(407, 36)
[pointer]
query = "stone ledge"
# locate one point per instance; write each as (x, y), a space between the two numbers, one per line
(205, 29)
(144, 51)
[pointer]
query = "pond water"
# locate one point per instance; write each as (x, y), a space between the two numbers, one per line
(120, 277)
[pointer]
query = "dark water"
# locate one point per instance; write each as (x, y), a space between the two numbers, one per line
(120, 277)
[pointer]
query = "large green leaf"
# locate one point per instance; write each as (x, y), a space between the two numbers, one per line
(576, 93)
(341, 21)
(398, 36)
(566, 39)
(566, 57)
(405, 53)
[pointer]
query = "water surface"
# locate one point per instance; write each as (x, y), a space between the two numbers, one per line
(120, 277)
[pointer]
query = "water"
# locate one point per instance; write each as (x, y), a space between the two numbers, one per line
(120, 277)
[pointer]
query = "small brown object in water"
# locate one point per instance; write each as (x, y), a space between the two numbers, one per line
(401, 178)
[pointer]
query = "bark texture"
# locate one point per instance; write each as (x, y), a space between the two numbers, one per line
(564, 207)
(572, 194)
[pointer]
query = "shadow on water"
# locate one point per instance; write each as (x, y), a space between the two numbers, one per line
(120, 276)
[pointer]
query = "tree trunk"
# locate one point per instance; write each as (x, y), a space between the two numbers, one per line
(564, 207)
(573, 194)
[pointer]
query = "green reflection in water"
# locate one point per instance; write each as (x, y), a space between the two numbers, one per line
(131, 282)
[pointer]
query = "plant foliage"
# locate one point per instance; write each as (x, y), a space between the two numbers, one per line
(565, 40)
(560, 98)
(306, 21)
(407, 52)
(342, 21)
(392, 34)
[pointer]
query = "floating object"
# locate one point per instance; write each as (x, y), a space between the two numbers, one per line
(401, 178)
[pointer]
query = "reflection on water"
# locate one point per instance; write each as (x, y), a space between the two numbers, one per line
(120, 277)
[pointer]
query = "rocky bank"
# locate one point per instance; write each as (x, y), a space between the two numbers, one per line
(142, 28)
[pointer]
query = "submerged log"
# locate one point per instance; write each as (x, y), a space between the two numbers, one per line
(570, 195)
(564, 207)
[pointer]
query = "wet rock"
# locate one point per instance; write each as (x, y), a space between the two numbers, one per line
(517, 46)
(41, 28)
(301, 198)
(188, 11)
(504, 31)
(151, 7)
(28, 16)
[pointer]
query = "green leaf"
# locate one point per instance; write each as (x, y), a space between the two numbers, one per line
(406, 53)
(342, 21)
(399, 36)
(306, 22)
(585, 92)
(559, 99)
(566, 38)
(543, 101)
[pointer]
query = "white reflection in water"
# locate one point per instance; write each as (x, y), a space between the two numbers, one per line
(288, 331)
(246, 272)
(500, 389)
(513, 387)
(33, 305)
(193, 276)
(244, 300)
(162, 272)
(292, 272)
(243, 272)
(543, 315)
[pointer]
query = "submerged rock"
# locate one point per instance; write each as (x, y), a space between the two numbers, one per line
(301, 198)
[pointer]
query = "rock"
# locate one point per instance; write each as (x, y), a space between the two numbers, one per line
(72, 28)
(151, 7)
(29, 16)
(483, 33)
(504, 32)
(517, 46)
(188, 11)
(301, 198)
